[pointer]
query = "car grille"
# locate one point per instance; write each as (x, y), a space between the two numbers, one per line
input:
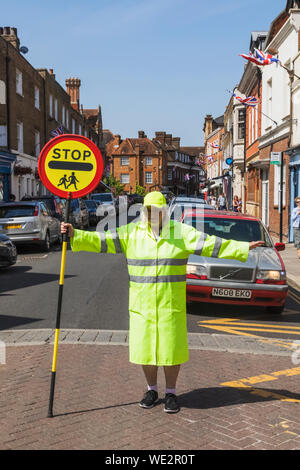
(232, 274)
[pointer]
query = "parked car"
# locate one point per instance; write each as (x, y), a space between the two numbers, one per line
(137, 198)
(106, 201)
(260, 281)
(176, 210)
(92, 209)
(80, 213)
(29, 222)
(54, 203)
(8, 252)
(186, 200)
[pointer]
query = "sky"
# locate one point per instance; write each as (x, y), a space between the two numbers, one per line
(152, 65)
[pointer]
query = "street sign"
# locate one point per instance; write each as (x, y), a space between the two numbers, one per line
(229, 161)
(275, 158)
(70, 165)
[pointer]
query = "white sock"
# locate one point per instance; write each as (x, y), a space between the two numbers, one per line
(152, 387)
(171, 390)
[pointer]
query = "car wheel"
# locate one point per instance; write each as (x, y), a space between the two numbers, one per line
(46, 242)
(276, 310)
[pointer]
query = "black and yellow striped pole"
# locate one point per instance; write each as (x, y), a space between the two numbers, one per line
(59, 304)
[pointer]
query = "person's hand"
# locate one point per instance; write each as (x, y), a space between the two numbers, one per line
(253, 245)
(64, 228)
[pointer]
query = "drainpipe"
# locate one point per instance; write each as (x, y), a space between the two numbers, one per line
(7, 60)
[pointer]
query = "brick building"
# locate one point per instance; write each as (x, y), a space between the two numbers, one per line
(32, 105)
(157, 164)
(213, 144)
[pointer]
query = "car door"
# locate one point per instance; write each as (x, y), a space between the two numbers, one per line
(47, 221)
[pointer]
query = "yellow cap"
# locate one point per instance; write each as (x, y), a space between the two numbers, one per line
(155, 199)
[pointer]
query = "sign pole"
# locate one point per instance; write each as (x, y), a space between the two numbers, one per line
(59, 304)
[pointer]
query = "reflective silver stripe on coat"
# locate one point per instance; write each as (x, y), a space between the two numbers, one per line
(157, 262)
(217, 247)
(103, 242)
(155, 279)
(116, 240)
(200, 244)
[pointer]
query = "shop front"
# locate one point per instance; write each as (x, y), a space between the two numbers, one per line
(6, 161)
(294, 166)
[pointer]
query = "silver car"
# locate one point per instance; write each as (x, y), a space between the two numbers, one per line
(176, 210)
(107, 204)
(260, 281)
(29, 222)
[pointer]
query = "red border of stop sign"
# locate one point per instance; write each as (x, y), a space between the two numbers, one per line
(59, 192)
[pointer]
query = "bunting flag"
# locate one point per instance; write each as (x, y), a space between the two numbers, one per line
(214, 146)
(249, 101)
(58, 131)
(260, 58)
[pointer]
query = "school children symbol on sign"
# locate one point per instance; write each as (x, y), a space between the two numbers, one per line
(70, 163)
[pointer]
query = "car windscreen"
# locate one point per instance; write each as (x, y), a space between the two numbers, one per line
(16, 211)
(74, 204)
(103, 197)
(91, 204)
(230, 229)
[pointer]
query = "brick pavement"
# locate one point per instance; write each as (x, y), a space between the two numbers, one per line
(97, 394)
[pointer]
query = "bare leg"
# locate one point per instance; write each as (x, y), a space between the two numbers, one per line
(150, 374)
(171, 374)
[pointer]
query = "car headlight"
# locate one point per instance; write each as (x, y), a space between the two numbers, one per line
(271, 275)
(196, 269)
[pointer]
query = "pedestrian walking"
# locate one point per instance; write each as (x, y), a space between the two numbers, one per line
(157, 251)
(221, 202)
(240, 207)
(235, 204)
(213, 202)
(296, 225)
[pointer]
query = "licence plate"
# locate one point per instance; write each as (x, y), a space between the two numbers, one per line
(10, 226)
(232, 293)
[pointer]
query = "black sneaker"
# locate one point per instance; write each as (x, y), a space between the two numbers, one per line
(171, 405)
(150, 398)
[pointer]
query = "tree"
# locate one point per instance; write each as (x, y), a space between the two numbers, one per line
(112, 182)
(140, 190)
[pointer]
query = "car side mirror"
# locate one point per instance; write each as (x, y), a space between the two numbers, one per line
(280, 246)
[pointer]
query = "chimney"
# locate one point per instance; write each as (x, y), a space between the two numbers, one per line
(168, 139)
(176, 142)
(51, 72)
(160, 136)
(208, 125)
(73, 85)
(10, 35)
(142, 135)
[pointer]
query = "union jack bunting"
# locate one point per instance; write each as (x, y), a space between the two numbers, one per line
(260, 58)
(214, 146)
(58, 131)
(249, 101)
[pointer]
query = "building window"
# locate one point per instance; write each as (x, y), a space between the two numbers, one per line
(148, 177)
(37, 97)
(37, 138)
(124, 161)
(124, 178)
(56, 109)
(19, 82)
(67, 119)
(241, 124)
(73, 126)
(3, 136)
(148, 161)
(63, 116)
(20, 145)
(50, 105)
(170, 174)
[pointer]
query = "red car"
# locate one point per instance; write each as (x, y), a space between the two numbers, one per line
(260, 281)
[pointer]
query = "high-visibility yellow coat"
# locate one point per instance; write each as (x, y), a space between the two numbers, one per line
(157, 280)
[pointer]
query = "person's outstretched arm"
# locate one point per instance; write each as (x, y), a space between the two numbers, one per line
(97, 242)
